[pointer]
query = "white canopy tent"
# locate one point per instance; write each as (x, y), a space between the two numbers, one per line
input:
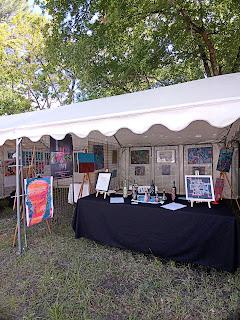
(215, 101)
(194, 112)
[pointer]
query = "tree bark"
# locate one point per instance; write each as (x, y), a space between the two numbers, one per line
(236, 65)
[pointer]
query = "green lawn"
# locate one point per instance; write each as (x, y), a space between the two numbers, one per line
(59, 277)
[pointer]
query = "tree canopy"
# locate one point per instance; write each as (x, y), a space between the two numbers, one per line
(113, 47)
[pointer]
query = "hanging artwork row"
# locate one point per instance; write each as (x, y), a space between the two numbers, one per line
(39, 199)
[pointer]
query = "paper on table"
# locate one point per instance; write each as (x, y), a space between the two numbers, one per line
(173, 206)
(116, 200)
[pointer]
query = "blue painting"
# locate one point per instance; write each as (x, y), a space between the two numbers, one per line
(99, 156)
(199, 188)
(200, 155)
(225, 160)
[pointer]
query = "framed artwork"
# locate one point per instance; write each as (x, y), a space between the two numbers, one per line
(200, 155)
(114, 157)
(114, 173)
(86, 162)
(140, 157)
(166, 156)
(166, 170)
(103, 181)
(225, 160)
(99, 156)
(199, 188)
(39, 199)
(140, 171)
(61, 157)
(201, 170)
(218, 188)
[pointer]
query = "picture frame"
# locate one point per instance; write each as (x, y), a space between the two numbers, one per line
(166, 156)
(103, 181)
(199, 188)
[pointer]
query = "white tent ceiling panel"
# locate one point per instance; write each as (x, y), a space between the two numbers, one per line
(214, 100)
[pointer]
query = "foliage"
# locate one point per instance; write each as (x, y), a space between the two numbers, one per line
(9, 8)
(119, 46)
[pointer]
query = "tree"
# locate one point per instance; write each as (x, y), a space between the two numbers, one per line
(9, 8)
(27, 79)
(121, 46)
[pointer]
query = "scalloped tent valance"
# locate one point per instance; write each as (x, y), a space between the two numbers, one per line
(214, 100)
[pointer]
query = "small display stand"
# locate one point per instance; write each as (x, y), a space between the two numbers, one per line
(102, 185)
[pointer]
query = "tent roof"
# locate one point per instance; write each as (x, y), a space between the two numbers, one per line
(215, 100)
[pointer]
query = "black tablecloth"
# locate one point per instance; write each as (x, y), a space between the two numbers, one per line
(198, 235)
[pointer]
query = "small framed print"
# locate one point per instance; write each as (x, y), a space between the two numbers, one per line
(166, 156)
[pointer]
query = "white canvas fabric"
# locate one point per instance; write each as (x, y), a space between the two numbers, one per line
(214, 100)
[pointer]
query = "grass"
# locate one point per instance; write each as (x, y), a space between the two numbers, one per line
(59, 278)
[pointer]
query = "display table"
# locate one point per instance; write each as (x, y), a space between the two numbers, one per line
(199, 235)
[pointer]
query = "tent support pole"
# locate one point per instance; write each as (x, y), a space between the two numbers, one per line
(18, 141)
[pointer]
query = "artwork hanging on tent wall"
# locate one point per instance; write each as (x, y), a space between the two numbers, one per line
(166, 170)
(98, 150)
(199, 188)
(140, 157)
(201, 170)
(225, 160)
(86, 162)
(114, 157)
(140, 171)
(166, 156)
(39, 199)
(202, 155)
(61, 157)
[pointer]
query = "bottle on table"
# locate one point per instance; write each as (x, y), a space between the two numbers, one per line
(174, 192)
(125, 189)
(152, 189)
(164, 198)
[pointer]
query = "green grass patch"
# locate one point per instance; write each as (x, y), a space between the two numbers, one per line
(59, 277)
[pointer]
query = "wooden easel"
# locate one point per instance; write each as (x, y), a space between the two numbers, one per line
(30, 174)
(86, 178)
(224, 175)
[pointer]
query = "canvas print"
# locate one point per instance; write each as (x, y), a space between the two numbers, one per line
(218, 189)
(86, 162)
(99, 156)
(139, 171)
(225, 160)
(200, 155)
(199, 188)
(166, 169)
(166, 156)
(114, 157)
(39, 199)
(140, 157)
(201, 170)
(61, 157)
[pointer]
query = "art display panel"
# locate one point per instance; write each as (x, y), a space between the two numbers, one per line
(39, 199)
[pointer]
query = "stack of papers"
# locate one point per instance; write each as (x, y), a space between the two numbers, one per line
(116, 200)
(173, 206)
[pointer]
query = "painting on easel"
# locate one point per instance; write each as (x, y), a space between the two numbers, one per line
(39, 199)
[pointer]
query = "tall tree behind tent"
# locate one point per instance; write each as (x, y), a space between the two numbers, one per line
(115, 47)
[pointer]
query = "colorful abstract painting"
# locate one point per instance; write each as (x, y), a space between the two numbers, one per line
(225, 160)
(86, 162)
(61, 157)
(200, 155)
(218, 188)
(199, 188)
(99, 156)
(39, 199)
(139, 171)
(140, 157)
